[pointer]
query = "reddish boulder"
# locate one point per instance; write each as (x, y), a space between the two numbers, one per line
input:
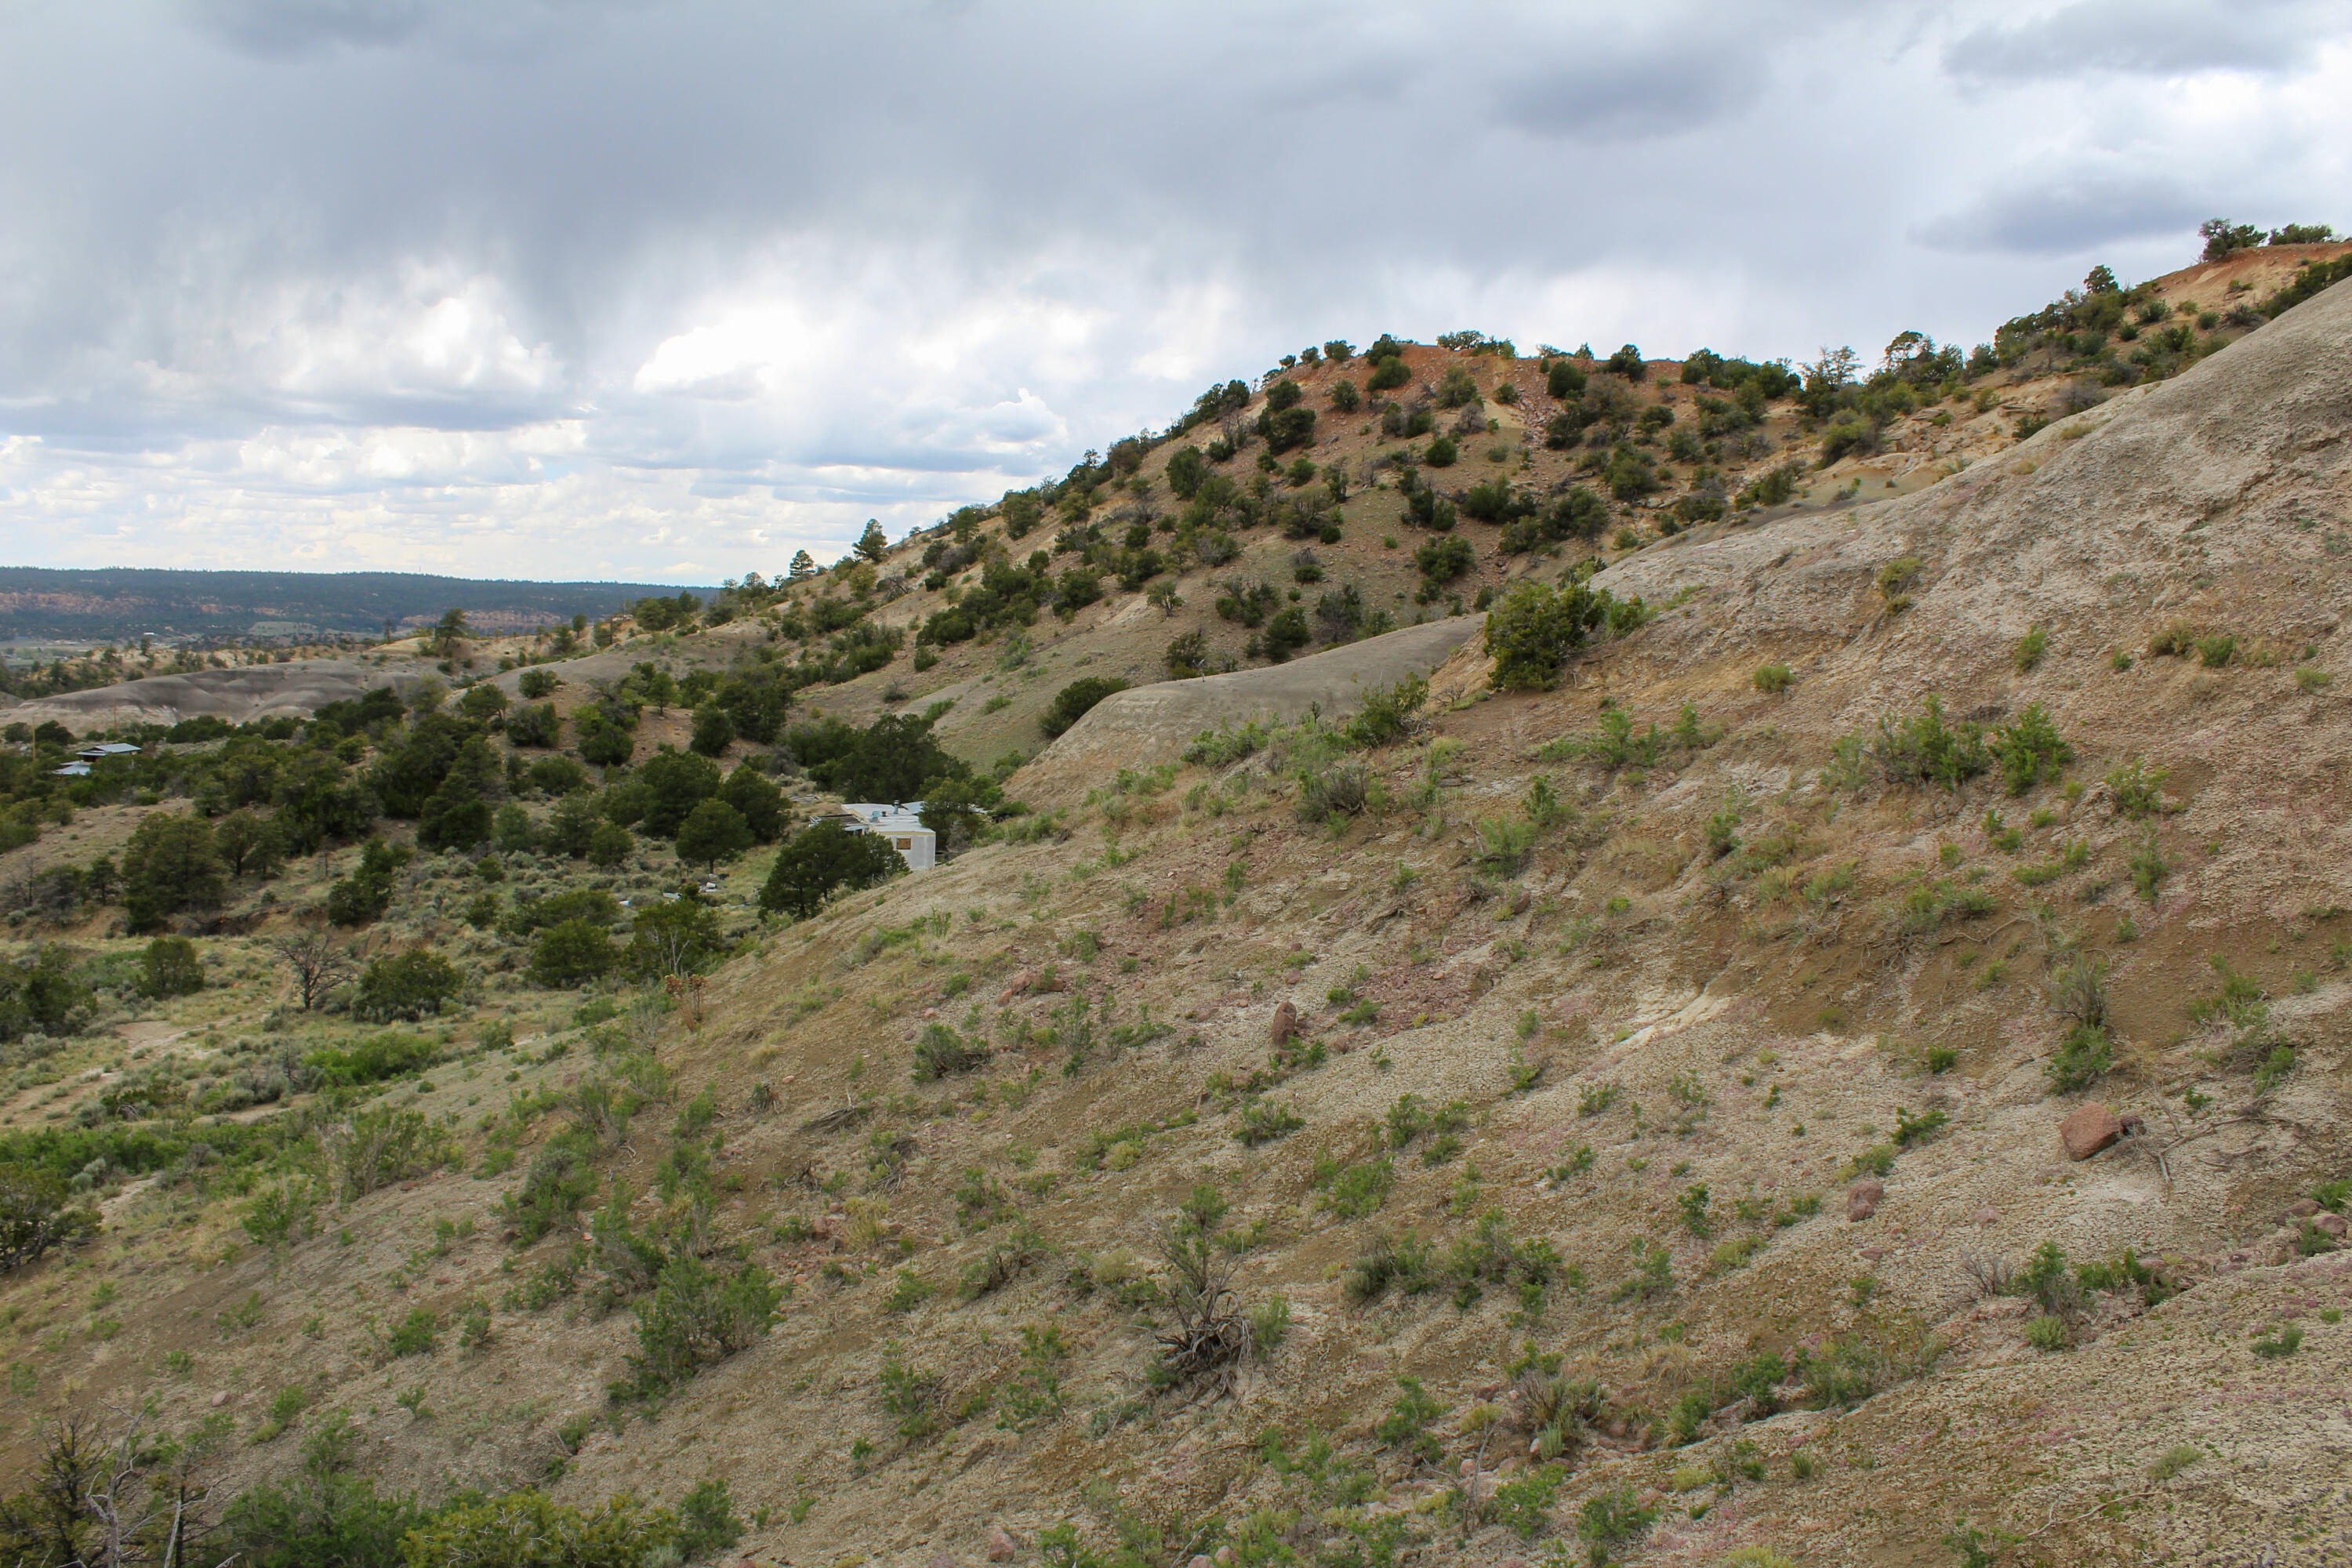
(1286, 1025)
(2089, 1129)
(1863, 1198)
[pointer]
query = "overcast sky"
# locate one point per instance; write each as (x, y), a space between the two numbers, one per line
(592, 287)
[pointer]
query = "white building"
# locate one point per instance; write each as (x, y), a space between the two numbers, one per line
(902, 825)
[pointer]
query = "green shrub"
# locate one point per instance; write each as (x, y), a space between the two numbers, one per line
(1771, 677)
(1895, 579)
(558, 1181)
(36, 1215)
(170, 865)
(1074, 702)
(1844, 1374)
(1523, 1505)
(2137, 789)
(2149, 867)
(1262, 1121)
(1341, 791)
(909, 1292)
(528, 1530)
(707, 1521)
(2278, 1343)
(823, 859)
(1406, 1425)
(1923, 749)
(363, 897)
(535, 725)
(280, 1214)
(1536, 627)
(1386, 1263)
(372, 1060)
(1387, 712)
(1771, 489)
(416, 1334)
(713, 831)
(1609, 1519)
(411, 986)
(1358, 1191)
(375, 1148)
(1442, 453)
(1388, 371)
(169, 967)
(573, 953)
(2031, 750)
(941, 1052)
(1443, 561)
(698, 1315)
(1920, 1129)
(2029, 649)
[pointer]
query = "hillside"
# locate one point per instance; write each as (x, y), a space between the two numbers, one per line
(1586, 1091)
(123, 603)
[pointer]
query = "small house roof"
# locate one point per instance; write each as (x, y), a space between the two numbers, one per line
(887, 818)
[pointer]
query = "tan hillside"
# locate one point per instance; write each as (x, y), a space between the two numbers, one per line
(1661, 1067)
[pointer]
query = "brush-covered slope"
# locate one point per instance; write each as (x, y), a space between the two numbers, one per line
(1655, 1058)
(1616, 1118)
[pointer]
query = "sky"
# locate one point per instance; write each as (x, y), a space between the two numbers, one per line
(573, 288)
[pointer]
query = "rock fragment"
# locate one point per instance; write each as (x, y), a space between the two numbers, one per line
(2089, 1129)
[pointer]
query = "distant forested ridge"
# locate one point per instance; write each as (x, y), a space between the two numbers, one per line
(117, 603)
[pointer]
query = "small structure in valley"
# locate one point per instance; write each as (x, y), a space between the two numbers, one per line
(899, 826)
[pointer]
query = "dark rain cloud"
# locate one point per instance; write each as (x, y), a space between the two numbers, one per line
(2066, 212)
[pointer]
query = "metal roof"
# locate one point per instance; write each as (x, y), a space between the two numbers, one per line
(883, 818)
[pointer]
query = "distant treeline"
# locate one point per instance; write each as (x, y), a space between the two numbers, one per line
(118, 604)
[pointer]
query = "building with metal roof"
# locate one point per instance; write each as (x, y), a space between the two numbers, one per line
(900, 825)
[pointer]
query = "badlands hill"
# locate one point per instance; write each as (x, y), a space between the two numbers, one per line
(1606, 1105)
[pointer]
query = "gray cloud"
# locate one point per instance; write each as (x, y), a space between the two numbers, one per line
(649, 285)
(2150, 38)
(2066, 213)
(297, 28)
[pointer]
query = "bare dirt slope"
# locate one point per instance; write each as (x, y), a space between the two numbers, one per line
(1152, 725)
(242, 695)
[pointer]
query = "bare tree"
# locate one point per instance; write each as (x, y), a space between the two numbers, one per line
(103, 1503)
(319, 964)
